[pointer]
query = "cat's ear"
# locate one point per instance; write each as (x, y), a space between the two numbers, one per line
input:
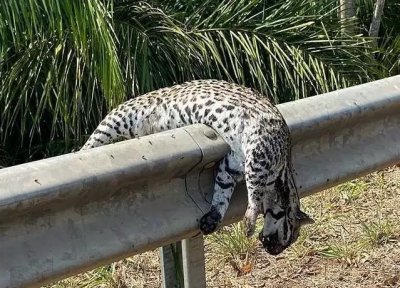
(304, 219)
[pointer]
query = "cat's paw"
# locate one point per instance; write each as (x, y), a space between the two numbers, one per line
(210, 221)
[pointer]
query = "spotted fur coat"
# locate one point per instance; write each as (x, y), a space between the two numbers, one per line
(256, 133)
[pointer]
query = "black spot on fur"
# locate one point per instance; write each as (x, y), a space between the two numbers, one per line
(276, 216)
(116, 122)
(228, 107)
(97, 131)
(116, 128)
(98, 140)
(212, 117)
(182, 118)
(187, 110)
(209, 103)
(224, 185)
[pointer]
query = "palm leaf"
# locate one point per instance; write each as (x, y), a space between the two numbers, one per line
(56, 58)
(288, 50)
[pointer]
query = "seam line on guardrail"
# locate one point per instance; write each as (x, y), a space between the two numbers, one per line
(191, 169)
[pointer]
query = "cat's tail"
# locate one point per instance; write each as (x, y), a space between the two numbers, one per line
(111, 129)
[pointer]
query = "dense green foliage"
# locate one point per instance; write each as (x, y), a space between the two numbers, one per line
(64, 64)
(388, 50)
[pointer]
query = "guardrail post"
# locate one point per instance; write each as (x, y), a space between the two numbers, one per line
(183, 264)
(171, 265)
(194, 272)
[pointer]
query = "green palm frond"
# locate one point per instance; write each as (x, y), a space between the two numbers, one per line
(389, 54)
(388, 50)
(56, 58)
(288, 50)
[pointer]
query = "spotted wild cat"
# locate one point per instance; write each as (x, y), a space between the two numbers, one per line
(256, 133)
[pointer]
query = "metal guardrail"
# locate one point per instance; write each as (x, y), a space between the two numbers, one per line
(67, 214)
(344, 134)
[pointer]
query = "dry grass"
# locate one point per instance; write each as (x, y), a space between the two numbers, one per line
(354, 243)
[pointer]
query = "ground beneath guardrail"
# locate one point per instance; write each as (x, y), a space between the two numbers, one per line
(355, 242)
